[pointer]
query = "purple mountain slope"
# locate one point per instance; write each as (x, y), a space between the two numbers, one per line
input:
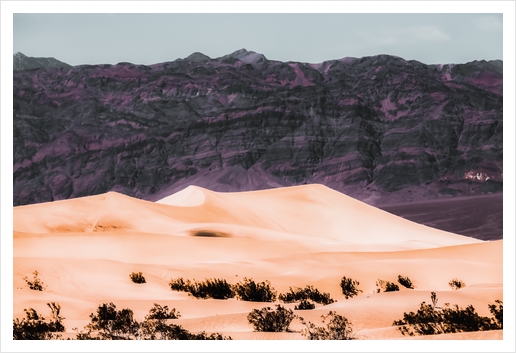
(381, 129)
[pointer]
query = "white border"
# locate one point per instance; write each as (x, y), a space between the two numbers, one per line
(505, 7)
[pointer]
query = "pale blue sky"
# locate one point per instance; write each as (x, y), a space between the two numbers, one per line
(152, 38)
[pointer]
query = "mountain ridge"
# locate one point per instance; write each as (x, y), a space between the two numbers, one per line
(378, 128)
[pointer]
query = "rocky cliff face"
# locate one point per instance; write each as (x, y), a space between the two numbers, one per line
(378, 128)
(23, 62)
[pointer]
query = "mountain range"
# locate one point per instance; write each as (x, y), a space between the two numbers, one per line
(381, 129)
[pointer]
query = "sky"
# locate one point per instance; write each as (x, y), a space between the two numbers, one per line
(138, 38)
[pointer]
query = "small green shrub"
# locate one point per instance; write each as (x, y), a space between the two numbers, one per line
(248, 290)
(36, 283)
(269, 320)
(309, 292)
(137, 277)
(337, 328)
(349, 287)
(405, 282)
(34, 326)
(428, 320)
(304, 305)
(456, 284)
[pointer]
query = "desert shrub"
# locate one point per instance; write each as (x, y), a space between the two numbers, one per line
(36, 283)
(248, 290)
(137, 277)
(497, 312)
(456, 284)
(349, 287)
(391, 287)
(337, 328)
(180, 285)
(210, 288)
(405, 282)
(386, 286)
(309, 292)
(428, 320)
(108, 323)
(304, 305)
(34, 327)
(269, 320)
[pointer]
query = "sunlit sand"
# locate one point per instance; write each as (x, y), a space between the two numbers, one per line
(84, 250)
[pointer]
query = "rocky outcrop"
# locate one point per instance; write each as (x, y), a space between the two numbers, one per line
(381, 129)
(23, 62)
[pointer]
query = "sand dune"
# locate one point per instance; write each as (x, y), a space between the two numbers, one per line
(85, 249)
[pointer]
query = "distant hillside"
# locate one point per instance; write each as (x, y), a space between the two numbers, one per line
(22, 62)
(381, 129)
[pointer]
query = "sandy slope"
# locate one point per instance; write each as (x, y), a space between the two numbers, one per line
(84, 250)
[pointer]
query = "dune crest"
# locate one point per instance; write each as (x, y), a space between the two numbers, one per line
(310, 214)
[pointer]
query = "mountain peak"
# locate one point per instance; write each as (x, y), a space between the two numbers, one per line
(245, 56)
(23, 62)
(197, 57)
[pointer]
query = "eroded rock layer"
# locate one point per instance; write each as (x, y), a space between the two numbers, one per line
(379, 128)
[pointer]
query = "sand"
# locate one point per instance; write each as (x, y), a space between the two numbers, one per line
(84, 250)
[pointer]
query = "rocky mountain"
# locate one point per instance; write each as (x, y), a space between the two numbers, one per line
(381, 129)
(23, 62)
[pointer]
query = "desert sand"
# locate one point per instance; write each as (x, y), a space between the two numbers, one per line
(84, 250)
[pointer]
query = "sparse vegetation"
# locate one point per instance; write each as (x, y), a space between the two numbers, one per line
(137, 277)
(497, 312)
(36, 283)
(209, 288)
(386, 286)
(456, 284)
(305, 305)
(34, 327)
(429, 320)
(349, 287)
(248, 290)
(108, 323)
(405, 282)
(337, 328)
(309, 292)
(269, 320)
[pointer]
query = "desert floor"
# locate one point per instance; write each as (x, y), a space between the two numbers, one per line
(84, 250)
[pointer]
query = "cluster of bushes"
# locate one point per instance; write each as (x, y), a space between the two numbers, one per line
(337, 328)
(34, 326)
(209, 288)
(429, 320)
(269, 320)
(108, 323)
(303, 294)
(247, 290)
